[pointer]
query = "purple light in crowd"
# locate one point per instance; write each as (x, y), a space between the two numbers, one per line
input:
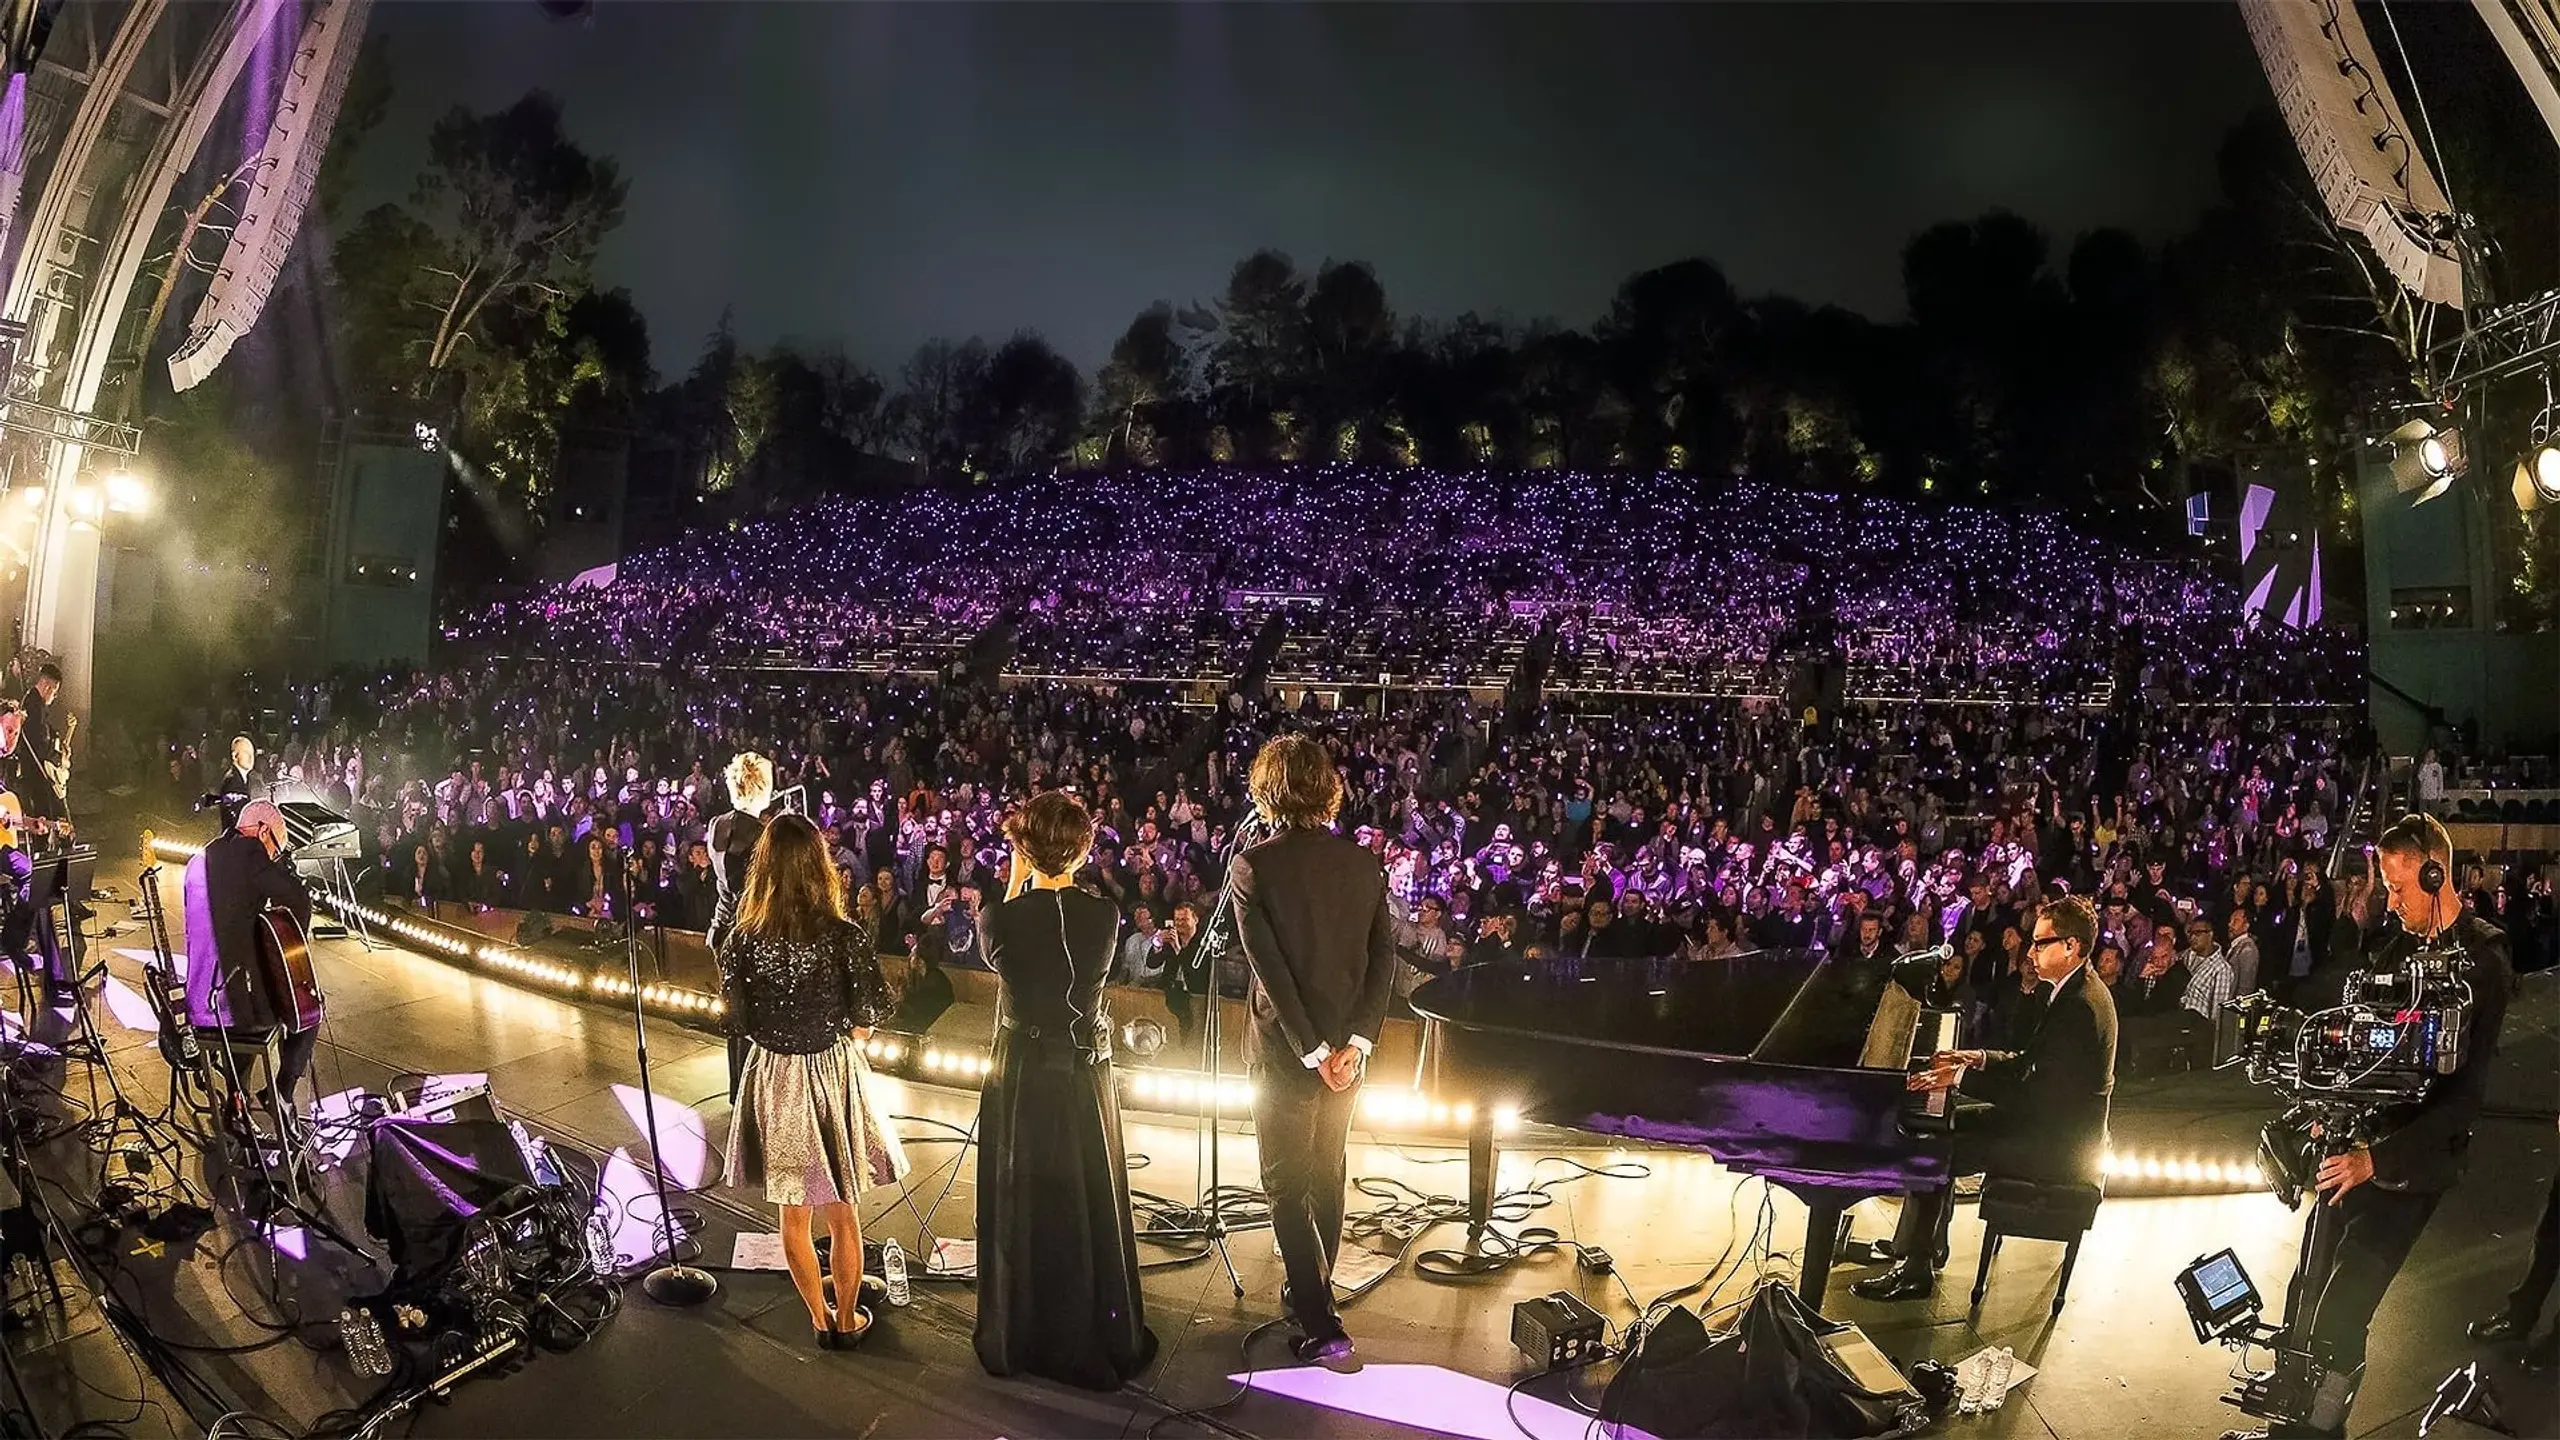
(1429, 1398)
(685, 1143)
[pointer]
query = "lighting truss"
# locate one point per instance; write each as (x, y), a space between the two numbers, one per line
(2499, 345)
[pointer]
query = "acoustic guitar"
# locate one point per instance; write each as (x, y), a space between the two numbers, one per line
(285, 973)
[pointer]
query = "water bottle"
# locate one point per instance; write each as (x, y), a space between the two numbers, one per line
(1995, 1389)
(893, 1273)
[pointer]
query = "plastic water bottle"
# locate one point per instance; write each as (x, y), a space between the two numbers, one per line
(893, 1273)
(1977, 1380)
(1995, 1390)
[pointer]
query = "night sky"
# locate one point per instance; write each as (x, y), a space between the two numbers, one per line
(877, 175)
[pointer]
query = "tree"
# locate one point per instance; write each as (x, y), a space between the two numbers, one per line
(517, 210)
(1669, 339)
(1259, 358)
(1349, 332)
(1022, 410)
(934, 387)
(1149, 370)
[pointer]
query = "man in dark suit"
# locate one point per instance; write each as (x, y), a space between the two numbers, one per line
(2049, 1116)
(1311, 909)
(47, 734)
(733, 843)
(227, 886)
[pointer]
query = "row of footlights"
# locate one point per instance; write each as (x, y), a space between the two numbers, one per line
(1180, 1091)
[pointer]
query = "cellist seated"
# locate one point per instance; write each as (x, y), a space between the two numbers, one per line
(227, 887)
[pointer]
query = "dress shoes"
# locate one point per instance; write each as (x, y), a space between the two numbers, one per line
(1904, 1281)
(1892, 1250)
(1335, 1353)
(2496, 1328)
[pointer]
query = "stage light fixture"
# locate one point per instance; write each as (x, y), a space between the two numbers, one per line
(2425, 460)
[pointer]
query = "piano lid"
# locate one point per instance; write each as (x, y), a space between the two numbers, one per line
(1778, 1007)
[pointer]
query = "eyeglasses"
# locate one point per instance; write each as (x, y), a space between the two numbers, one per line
(2042, 941)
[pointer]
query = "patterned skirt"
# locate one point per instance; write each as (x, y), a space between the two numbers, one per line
(809, 1130)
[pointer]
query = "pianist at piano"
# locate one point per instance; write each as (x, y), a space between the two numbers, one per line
(2048, 1116)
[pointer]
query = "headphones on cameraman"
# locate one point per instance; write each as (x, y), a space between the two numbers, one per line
(2431, 875)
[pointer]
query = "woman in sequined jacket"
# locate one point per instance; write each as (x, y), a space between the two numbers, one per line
(803, 984)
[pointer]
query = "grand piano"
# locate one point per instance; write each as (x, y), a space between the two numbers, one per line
(1781, 1064)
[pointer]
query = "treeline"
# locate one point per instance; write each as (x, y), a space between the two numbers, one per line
(2099, 371)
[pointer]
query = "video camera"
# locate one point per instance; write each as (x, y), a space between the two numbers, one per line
(2390, 1037)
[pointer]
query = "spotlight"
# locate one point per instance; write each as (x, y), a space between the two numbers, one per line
(2425, 461)
(2537, 481)
(1144, 1036)
(126, 494)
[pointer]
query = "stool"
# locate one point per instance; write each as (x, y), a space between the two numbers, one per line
(2057, 1210)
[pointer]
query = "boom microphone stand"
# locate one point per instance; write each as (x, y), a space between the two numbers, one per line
(1216, 935)
(673, 1283)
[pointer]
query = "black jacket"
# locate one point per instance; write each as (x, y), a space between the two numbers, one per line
(240, 880)
(2053, 1096)
(733, 843)
(2423, 1147)
(1311, 909)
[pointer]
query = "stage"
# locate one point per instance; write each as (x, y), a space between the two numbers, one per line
(2119, 1358)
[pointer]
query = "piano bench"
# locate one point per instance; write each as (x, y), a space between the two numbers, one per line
(2060, 1211)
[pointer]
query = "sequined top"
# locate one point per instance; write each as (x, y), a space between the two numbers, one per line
(800, 997)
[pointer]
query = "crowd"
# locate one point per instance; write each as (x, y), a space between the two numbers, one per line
(1653, 584)
(1694, 828)
(1654, 802)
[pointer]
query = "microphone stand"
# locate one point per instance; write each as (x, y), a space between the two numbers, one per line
(1217, 933)
(673, 1283)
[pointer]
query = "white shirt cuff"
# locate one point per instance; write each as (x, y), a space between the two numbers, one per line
(1361, 1044)
(1317, 1056)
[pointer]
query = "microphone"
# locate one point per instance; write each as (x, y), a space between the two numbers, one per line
(1933, 954)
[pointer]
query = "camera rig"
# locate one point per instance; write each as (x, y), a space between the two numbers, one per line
(2391, 1036)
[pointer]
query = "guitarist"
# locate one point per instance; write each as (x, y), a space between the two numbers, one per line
(47, 733)
(227, 886)
(23, 774)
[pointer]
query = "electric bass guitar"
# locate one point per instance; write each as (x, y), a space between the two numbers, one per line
(167, 991)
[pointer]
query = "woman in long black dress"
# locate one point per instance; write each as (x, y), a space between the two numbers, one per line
(1057, 1260)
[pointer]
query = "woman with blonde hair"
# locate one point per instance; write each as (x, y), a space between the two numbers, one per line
(802, 983)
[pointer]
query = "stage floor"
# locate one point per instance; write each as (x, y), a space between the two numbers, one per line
(2120, 1358)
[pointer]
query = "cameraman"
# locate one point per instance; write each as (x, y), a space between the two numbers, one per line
(2377, 1196)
